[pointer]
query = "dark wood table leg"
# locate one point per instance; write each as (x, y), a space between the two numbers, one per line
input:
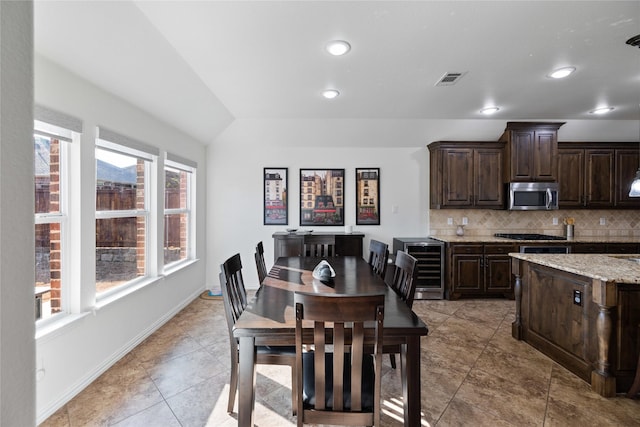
(410, 365)
(246, 382)
(603, 381)
(516, 326)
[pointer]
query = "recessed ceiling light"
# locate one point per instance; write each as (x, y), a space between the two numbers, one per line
(330, 93)
(602, 110)
(489, 110)
(561, 73)
(338, 47)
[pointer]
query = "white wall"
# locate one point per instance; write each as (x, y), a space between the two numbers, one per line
(17, 345)
(71, 357)
(235, 167)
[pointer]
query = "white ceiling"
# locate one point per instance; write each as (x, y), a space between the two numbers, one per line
(199, 65)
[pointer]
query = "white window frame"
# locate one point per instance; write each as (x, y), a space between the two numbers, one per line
(178, 164)
(112, 141)
(67, 130)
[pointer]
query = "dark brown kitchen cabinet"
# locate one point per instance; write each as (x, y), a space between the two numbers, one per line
(604, 248)
(531, 151)
(596, 175)
(466, 175)
(589, 248)
(626, 165)
(480, 270)
(571, 189)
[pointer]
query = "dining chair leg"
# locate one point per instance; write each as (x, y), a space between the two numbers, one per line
(392, 359)
(294, 391)
(233, 386)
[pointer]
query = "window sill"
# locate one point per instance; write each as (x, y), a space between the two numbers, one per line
(52, 328)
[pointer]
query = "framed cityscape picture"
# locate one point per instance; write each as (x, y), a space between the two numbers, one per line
(367, 196)
(275, 206)
(321, 197)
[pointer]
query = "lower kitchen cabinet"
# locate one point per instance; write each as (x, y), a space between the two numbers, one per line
(290, 244)
(480, 270)
(605, 248)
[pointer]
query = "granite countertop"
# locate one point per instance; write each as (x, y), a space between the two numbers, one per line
(493, 239)
(610, 268)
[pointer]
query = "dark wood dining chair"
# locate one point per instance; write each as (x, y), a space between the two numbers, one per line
(261, 266)
(234, 296)
(378, 257)
(335, 387)
(319, 245)
(403, 282)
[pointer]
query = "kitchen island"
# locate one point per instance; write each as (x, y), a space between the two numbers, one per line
(583, 311)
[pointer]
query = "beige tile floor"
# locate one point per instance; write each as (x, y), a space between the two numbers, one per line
(473, 374)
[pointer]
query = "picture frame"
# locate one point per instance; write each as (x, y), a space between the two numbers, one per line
(321, 197)
(367, 196)
(274, 202)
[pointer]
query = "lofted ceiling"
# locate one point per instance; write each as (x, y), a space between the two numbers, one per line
(198, 65)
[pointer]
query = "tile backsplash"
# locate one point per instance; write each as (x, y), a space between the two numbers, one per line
(486, 222)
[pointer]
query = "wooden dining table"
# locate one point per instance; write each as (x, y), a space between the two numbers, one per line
(269, 319)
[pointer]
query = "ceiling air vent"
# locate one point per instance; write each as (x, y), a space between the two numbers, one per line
(449, 79)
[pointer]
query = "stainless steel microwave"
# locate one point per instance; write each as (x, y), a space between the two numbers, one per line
(532, 196)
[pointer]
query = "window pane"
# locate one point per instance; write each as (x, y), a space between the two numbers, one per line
(175, 237)
(47, 174)
(120, 251)
(176, 224)
(48, 283)
(175, 189)
(120, 181)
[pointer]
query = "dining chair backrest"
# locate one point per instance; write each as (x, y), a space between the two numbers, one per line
(319, 245)
(234, 297)
(378, 257)
(342, 383)
(233, 290)
(261, 266)
(405, 277)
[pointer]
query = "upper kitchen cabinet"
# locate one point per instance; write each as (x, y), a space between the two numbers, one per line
(531, 151)
(466, 175)
(585, 177)
(627, 160)
(596, 175)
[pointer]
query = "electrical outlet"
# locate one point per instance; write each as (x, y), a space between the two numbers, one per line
(554, 221)
(603, 221)
(577, 298)
(449, 221)
(465, 220)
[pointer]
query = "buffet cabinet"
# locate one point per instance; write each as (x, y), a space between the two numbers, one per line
(291, 244)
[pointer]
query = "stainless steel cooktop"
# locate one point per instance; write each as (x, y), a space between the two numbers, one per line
(529, 236)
